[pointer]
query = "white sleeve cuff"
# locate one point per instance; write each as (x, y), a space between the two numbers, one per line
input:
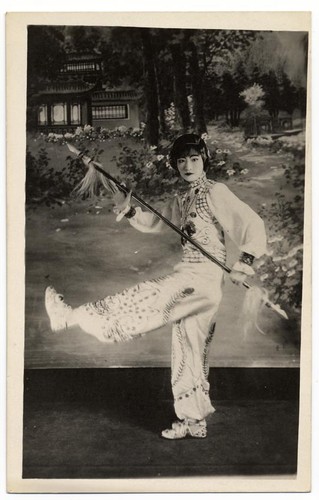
(121, 214)
(241, 267)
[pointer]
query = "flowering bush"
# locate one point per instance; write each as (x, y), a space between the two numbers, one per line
(223, 168)
(147, 169)
(47, 186)
(260, 141)
(253, 96)
(281, 270)
(89, 133)
(170, 117)
(254, 114)
(294, 144)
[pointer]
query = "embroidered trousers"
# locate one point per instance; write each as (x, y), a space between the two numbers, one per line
(189, 299)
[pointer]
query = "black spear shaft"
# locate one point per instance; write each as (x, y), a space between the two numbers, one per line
(163, 218)
(125, 190)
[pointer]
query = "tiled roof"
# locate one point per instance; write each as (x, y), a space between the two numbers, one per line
(83, 57)
(67, 87)
(114, 95)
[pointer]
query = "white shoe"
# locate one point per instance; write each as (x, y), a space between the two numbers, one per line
(57, 309)
(181, 429)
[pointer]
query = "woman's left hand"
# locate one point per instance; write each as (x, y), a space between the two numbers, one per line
(121, 200)
(237, 277)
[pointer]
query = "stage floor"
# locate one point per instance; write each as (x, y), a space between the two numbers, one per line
(107, 424)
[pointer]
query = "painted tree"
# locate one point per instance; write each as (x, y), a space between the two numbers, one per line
(150, 88)
(177, 45)
(45, 55)
(233, 83)
(197, 88)
(212, 55)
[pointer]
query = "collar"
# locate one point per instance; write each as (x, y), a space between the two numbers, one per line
(199, 182)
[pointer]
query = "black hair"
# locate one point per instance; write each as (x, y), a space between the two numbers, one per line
(182, 146)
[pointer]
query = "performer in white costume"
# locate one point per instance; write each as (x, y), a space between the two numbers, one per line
(189, 297)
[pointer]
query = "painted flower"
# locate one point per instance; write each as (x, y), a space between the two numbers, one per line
(244, 171)
(152, 148)
(221, 163)
(277, 259)
(87, 128)
(149, 164)
(230, 171)
(296, 249)
(263, 277)
(205, 136)
(291, 273)
(68, 135)
(122, 129)
(253, 94)
(227, 151)
(159, 157)
(274, 239)
(293, 263)
(260, 263)
(219, 151)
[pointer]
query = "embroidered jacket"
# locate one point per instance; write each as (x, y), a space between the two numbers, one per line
(206, 211)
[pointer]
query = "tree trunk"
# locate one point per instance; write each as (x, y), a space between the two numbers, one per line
(197, 87)
(150, 86)
(180, 92)
(161, 106)
(234, 117)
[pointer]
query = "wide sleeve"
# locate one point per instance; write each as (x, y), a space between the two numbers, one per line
(147, 222)
(238, 220)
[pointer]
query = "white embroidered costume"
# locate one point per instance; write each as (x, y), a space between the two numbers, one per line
(189, 297)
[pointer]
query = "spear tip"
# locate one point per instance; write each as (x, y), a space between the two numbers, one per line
(72, 148)
(277, 308)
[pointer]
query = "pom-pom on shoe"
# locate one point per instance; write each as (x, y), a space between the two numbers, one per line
(57, 309)
(181, 429)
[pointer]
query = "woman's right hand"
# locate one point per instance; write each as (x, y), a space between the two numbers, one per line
(86, 160)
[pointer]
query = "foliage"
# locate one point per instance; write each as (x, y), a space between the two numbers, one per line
(47, 186)
(281, 270)
(83, 135)
(294, 144)
(170, 117)
(222, 167)
(253, 96)
(227, 62)
(260, 141)
(254, 114)
(45, 54)
(147, 169)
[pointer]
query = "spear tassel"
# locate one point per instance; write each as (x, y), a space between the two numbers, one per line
(112, 182)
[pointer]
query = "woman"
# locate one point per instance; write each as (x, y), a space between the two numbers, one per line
(189, 297)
